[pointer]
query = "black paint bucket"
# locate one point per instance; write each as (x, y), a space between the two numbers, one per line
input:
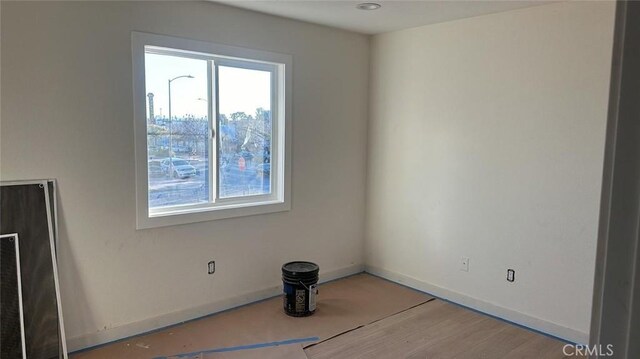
(300, 283)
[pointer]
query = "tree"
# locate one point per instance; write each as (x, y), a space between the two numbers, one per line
(193, 132)
(245, 134)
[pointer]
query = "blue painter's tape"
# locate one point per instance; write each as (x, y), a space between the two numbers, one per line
(244, 347)
(157, 330)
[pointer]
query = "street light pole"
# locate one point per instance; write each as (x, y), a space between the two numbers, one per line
(171, 119)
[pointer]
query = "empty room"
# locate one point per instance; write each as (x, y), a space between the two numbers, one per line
(319, 179)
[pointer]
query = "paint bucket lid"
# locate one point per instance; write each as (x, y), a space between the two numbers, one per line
(300, 269)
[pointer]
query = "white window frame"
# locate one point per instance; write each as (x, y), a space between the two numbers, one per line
(280, 66)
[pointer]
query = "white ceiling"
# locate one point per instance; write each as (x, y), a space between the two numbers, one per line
(394, 14)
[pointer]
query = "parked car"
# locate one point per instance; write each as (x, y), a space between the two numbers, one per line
(200, 165)
(178, 168)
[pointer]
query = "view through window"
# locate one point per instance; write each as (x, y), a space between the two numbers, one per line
(245, 131)
(209, 129)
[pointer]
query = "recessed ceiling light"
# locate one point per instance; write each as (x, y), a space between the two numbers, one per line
(368, 6)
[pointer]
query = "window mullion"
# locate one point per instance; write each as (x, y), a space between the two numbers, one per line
(213, 133)
(215, 99)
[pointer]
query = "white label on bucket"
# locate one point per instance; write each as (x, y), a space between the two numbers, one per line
(312, 297)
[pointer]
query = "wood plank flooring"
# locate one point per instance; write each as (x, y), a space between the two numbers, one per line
(342, 305)
(358, 317)
(438, 329)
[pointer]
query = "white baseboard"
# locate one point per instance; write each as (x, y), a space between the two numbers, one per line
(146, 325)
(537, 324)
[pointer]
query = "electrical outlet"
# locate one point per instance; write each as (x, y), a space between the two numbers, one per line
(511, 275)
(211, 267)
(464, 264)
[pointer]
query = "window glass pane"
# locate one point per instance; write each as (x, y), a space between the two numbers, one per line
(244, 132)
(177, 130)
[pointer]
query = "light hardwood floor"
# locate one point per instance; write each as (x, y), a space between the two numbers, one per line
(361, 316)
(438, 329)
(342, 305)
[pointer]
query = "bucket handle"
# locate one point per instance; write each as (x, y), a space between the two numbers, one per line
(307, 288)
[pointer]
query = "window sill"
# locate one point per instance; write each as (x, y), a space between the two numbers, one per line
(174, 217)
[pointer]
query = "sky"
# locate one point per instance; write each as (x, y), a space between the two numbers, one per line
(241, 90)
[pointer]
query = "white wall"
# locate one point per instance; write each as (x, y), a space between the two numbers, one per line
(486, 140)
(67, 114)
